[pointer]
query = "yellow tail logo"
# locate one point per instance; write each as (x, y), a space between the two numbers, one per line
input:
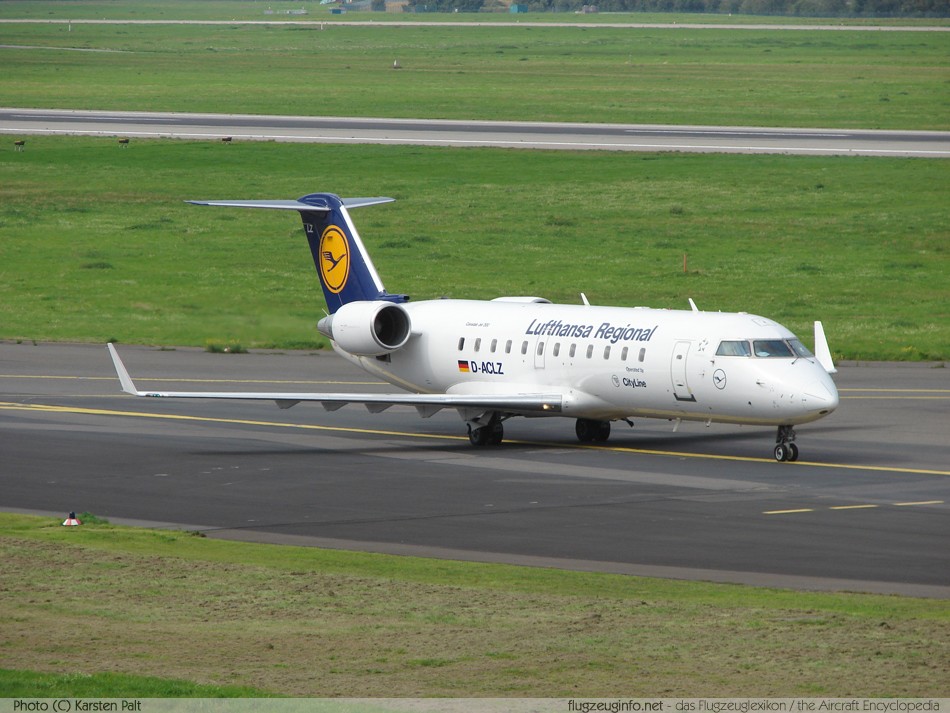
(334, 259)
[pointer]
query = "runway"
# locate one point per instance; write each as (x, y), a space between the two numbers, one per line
(867, 508)
(525, 135)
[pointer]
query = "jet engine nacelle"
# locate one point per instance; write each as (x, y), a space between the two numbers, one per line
(367, 328)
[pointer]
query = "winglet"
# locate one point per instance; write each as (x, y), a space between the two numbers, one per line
(123, 373)
(822, 352)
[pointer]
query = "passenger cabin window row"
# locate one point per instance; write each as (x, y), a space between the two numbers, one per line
(763, 348)
(555, 350)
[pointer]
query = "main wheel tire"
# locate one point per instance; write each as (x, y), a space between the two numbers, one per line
(781, 453)
(792, 452)
(496, 433)
(478, 436)
(589, 430)
(584, 430)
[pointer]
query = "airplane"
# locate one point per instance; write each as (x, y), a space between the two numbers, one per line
(525, 356)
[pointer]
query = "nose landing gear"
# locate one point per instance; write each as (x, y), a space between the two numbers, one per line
(785, 448)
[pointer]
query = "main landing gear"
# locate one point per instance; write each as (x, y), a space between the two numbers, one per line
(785, 448)
(490, 434)
(589, 430)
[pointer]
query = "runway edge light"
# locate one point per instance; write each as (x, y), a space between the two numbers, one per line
(71, 521)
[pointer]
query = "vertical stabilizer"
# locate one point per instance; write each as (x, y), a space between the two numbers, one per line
(346, 272)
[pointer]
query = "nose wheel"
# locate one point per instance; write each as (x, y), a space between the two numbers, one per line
(785, 448)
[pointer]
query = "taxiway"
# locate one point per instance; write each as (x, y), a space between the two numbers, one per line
(526, 135)
(867, 508)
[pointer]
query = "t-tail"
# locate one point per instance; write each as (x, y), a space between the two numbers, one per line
(346, 271)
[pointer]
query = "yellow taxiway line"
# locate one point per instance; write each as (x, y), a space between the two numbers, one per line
(12, 406)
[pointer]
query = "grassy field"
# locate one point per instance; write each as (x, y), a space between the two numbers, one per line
(97, 244)
(309, 622)
(16, 683)
(254, 10)
(883, 80)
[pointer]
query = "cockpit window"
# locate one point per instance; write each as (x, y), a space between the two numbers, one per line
(800, 349)
(734, 348)
(772, 348)
(764, 348)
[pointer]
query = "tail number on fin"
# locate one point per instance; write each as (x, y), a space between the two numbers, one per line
(335, 259)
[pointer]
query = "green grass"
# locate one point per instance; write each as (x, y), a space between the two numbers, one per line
(882, 80)
(34, 684)
(252, 10)
(311, 622)
(97, 244)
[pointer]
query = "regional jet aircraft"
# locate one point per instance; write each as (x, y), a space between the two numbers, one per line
(524, 356)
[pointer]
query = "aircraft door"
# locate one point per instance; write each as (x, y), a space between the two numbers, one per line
(539, 348)
(681, 388)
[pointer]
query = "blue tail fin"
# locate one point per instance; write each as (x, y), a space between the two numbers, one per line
(345, 269)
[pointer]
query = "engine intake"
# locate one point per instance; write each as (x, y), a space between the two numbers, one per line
(367, 328)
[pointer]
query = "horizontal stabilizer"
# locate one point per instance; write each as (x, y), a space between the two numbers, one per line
(516, 403)
(316, 206)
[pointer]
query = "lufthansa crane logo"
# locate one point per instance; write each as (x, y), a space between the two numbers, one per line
(719, 379)
(334, 259)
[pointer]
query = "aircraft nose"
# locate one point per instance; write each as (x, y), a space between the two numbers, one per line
(822, 396)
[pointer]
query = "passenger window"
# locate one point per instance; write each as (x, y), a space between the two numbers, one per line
(540, 348)
(643, 354)
(524, 347)
(557, 349)
(478, 344)
(772, 348)
(461, 343)
(733, 348)
(573, 350)
(590, 350)
(494, 344)
(623, 354)
(607, 352)
(508, 347)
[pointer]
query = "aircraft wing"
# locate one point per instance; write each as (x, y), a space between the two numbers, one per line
(426, 404)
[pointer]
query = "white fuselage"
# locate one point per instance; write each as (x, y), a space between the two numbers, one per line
(610, 362)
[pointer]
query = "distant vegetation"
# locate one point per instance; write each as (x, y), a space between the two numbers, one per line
(657, 11)
(791, 8)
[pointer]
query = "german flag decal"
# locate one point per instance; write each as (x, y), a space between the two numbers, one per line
(463, 366)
